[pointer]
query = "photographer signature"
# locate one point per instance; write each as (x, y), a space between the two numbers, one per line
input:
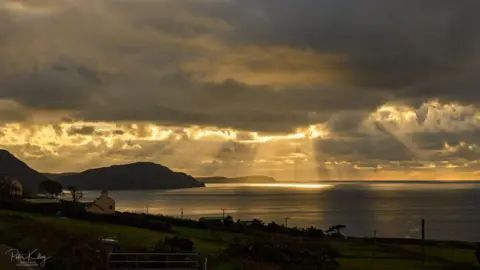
(32, 258)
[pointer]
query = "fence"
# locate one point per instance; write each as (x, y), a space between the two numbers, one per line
(401, 253)
(171, 261)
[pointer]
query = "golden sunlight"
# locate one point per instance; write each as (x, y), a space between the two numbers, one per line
(292, 185)
(311, 132)
(278, 185)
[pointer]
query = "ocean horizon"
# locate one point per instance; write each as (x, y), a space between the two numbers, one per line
(394, 209)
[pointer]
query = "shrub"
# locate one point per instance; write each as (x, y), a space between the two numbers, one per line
(175, 244)
(284, 255)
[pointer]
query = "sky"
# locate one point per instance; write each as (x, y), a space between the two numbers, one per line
(298, 90)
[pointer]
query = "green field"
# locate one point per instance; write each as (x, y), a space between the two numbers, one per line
(358, 255)
(354, 253)
(131, 238)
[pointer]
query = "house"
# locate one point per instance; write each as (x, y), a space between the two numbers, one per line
(104, 205)
(16, 188)
(12, 186)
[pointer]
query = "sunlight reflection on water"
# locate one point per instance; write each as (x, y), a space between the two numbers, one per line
(280, 185)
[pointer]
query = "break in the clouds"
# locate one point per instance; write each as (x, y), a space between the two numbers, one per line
(386, 86)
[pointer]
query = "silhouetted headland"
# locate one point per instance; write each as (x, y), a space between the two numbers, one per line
(13, 167)
(134, 176)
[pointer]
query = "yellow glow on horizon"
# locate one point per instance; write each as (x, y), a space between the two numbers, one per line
(197, 133)
(279, 185)
(311, 132)
(23, 133)
(159, 134)
(285, 156)
(292, 185)
(279, 137)
(315, 133)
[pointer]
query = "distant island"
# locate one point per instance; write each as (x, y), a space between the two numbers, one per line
(254, 179)
(134, 176)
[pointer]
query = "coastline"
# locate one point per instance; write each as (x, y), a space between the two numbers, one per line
(352, 253)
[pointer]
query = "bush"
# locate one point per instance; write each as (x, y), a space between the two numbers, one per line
(284, 255)
(175, 244)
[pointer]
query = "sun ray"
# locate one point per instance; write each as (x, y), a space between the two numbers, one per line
(387, 127)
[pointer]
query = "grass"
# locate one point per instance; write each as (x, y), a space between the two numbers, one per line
(390, 264)
(358, 255)
(130, 237)
(41, 200)
(354, 253)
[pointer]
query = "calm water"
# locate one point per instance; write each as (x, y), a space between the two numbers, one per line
(394, 210)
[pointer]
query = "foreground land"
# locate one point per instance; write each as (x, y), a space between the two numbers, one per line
(28, 231)
(5, 261)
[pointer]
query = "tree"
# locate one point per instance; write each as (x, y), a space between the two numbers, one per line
(228, 220)
(257, 224)
(51, 187)
(336, 228)
(273, 227)
(313, 232)
(76, 195)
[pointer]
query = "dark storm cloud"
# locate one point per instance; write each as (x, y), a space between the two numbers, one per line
(13, 115)
(85, 130)
(464, 144)
(462, 152)
(118, 132)
(446, 135)
(346, 122)
(66, 86)
(372, 147)
(414, 49)
(437, 140)
(180, 99)
(236, 151)
(394, 50)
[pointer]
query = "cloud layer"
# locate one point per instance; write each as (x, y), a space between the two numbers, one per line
(394, 84)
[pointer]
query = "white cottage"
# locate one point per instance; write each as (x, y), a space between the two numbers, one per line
(104, 205)
(16, 188)
(13, 186)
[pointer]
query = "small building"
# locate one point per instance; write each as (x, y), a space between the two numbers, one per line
(14, 187)
(211, 220)
(104, 205)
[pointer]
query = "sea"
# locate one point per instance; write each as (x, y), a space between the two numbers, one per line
(392, 209)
